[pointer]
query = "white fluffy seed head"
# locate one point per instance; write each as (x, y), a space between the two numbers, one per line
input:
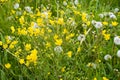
(16, 6)
(118, 53)
(107, 57)
(58, 49)
(117, 40)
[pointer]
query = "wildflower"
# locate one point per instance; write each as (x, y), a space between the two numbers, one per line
(5, 46)
(65, 31)
(27, 47)
(8, 65)
(114, 23)
(16, 5)
(60, 21)
(81, 37)
(95, 78)
(107, 36)
(101, 15)
(21, 61)
(116, 10)
(118, 53)
(93, 65)
(98, 24)
(105, 23)
(21, 20)
(12, 29)
(64, 3)
(1, 43)
(28, 9)
(69, 53)
(117, 40)
(112, 16)
(58, 49)
(76, 2)
(40, 22)
(63, 69)
(78, 49)
(48, 44)
(32, 57)
(104, 78)
(107, 57)
(58, 42)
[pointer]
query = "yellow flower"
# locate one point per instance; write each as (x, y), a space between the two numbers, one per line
(11, 46)
(48, 44)
(88, 23)
(32, 57)
(1, 43)
(21, 20)
(63, 69)
(95, 78)
(69, 54)
(114, 23)
(105, 23)
(78, 49)
(12, 29)
(40, 22)
(5, 46)
(60, 21)
(104, 78)
(8, 65)
(103, 32)
(27, 47)
(38, 13)
(21, 61)
(65, 31)
(51, 22)
(55, 36)
(58, 42)
(107, 36)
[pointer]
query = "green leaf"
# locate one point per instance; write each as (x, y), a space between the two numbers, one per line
(3, 77)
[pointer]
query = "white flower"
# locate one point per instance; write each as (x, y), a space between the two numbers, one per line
(112, 16)
(76, 2)
(118, 53)
(93, 22)
(101, 15)
(16, 6)
(107, 57)
(58, 49)
(28, 9)
(64, 3)
(116, 10)
(117, 40)
(81, 37)
(98, 25)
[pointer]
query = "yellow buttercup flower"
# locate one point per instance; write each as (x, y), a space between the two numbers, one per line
(1, 43)
(58, 42)
(104, 78)
(69, 54)
(114, 23)
(95, 78)
(27, 47)
(21, 61)
(107, 36)
(105, 23)
(60, 21)
(12, 29)
(8, 65)
(63, 69)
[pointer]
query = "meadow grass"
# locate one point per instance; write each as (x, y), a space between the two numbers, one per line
(59, 40)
